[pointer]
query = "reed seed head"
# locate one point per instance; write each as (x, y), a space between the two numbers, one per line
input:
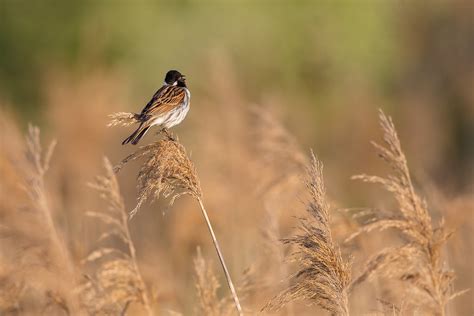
(123, 119)
(167, 171)
(323, 276)
(418, 262)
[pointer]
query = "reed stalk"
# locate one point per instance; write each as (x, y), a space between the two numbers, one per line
(221, 258)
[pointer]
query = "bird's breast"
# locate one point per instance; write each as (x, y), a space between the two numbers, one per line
(188, 95)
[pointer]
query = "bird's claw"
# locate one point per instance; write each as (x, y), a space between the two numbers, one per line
(167, 134)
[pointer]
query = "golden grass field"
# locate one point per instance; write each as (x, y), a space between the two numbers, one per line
(331, 147)
(67, 245)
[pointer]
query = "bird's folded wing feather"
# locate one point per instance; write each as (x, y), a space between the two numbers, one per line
(164, 100)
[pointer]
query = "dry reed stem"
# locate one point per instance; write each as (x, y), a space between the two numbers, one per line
(323, 277)
(168, 172)
(221, 258)
(419, 261)
(118, 280)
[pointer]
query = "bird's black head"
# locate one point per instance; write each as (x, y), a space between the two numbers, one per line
(175, 78)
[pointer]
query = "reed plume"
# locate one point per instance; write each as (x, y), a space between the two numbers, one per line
(35, 188)
(168, 172)
(207, 286)
(123, 119)
(42, 251)
(323, 276)
(117, 281)
(418, 262)
(279, 152)
(281, 164)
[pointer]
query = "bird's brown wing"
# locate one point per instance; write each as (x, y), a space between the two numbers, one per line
(164, 100)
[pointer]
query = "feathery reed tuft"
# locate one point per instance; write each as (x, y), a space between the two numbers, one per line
(207, 286)
(123, 119)
(167, 171)
(277, 150)
(324, 276)
(38, 166)
(117, 281)
(419, 261)
(40, 250)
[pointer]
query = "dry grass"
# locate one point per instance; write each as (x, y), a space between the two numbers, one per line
(281, 164)
(418, 262)
(207, 286)
(117, 281)
(42, 270)
(280, 155)
(324, 84)
(168, 172)
(253, 184)
(323, 276)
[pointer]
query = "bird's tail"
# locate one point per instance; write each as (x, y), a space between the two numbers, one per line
(137, 135)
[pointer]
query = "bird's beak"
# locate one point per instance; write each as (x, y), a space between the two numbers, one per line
(183, 78)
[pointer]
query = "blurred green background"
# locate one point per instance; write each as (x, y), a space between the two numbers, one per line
(276, 44)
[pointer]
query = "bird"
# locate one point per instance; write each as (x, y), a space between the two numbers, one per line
(168, 107)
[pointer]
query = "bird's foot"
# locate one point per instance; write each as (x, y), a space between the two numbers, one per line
(167, 134)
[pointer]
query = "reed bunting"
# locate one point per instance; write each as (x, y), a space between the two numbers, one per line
(168, 107)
